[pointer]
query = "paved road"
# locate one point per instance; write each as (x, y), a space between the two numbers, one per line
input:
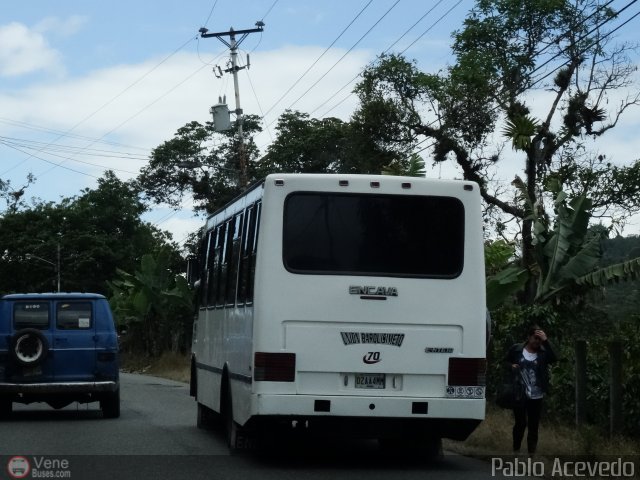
(156, 438)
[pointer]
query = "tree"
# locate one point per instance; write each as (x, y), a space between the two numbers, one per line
(329, 145)
(98, 231)
(192, 163)
(202, 163)
(14, 198)
(504, 55)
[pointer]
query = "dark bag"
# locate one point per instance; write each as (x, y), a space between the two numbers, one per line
(510, 395)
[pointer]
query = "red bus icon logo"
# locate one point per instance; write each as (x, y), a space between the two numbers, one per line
(18, 467)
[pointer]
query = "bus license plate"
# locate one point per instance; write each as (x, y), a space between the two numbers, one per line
(370, 380)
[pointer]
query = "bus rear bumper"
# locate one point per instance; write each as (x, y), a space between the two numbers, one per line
(373, 417)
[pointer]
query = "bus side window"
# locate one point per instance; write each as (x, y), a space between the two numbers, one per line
(253, 248)
(234, 259)
(207, 288)
(247, 235)
(204, 252)
(220, 273)
(228, 261)
(202, 289)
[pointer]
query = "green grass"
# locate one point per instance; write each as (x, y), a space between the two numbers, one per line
(493, 437)
(173, 366)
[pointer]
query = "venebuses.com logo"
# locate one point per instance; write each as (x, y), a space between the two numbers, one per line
(19, 466)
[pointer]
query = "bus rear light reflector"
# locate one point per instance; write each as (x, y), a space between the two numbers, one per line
(274, 367)
(322, 406)
(467, 371)
(420, 408)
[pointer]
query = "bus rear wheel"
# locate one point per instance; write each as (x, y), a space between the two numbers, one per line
(237, 437)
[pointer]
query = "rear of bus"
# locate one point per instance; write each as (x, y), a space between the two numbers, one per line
(370, 306)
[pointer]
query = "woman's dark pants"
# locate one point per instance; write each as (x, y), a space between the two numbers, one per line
(527, 415)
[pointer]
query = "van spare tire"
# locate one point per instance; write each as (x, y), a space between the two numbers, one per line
(29, 347)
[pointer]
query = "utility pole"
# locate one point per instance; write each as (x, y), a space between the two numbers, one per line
(58, 266)
(233, 45)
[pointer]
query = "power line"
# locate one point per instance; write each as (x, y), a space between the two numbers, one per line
(53, 163)
(33, 144)
(429, 29)
(414, 25)
(537, 81)
(121, 124)
(564, 50)
(269, 11)
(258, 102)
(210, 13)
(40, 128)
(16, 147)
(262, 20)
(385, 51)
(318, 59)
(343, 56)
(114, 98)
(539, 67)
(103, 106)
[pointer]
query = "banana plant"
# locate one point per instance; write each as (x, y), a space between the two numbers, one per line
(152, 301)
(567, 254)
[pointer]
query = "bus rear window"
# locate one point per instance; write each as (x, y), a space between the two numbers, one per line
(374, 235)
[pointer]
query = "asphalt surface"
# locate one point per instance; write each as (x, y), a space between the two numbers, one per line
(156, 438)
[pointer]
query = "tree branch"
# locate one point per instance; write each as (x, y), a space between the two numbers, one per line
(469, 169)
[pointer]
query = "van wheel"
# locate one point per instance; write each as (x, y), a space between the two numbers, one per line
(29, 347)
(207, 418)
(6, 407)
(110, 404)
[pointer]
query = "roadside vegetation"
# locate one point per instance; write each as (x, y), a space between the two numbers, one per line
(170, 365)
(493, 437)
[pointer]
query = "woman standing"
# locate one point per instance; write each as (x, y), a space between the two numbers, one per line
(529, 362)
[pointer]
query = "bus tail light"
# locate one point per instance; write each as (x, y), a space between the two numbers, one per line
(467, 371)
(274, 367)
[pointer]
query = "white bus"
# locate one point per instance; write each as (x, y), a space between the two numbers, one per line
(343, 303)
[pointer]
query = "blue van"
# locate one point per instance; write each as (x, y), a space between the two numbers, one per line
(58, 348)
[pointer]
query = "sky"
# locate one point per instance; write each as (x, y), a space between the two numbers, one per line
(87, 86)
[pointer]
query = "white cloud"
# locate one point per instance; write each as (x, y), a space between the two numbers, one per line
(181, 90)
(25, 51)
(61, 27)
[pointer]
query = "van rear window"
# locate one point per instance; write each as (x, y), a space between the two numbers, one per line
(375, 235)
(73, 315)
(31, 315)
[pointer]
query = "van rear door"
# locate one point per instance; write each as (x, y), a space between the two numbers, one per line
(74, 340)
(30, 341)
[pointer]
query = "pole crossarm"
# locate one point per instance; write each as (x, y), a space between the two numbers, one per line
(231, 33)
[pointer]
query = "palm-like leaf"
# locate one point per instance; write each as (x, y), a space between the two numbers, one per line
(520, 129)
